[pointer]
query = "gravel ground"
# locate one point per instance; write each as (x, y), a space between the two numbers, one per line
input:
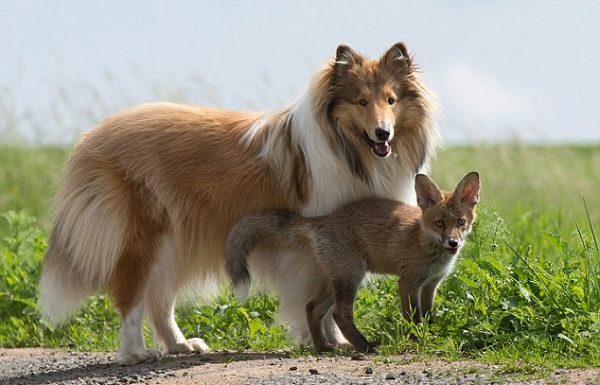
(44, 366)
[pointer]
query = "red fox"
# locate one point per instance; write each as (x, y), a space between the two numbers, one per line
(418, 244)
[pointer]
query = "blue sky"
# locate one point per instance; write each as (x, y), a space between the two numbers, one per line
(502, 70)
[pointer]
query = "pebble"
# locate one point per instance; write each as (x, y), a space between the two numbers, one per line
(313, 371)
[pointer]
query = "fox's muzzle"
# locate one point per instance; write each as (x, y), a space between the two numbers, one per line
(452, 245)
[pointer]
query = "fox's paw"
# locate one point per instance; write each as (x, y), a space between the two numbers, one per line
(131, 357)
(372, 347)
(325, 347)
(190, 345)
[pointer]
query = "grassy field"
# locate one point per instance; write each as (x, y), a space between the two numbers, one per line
(526, 288)
(520, 179)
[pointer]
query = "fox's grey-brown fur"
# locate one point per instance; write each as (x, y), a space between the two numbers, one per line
(418, 244)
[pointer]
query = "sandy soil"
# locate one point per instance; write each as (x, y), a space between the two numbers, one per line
(37, 366)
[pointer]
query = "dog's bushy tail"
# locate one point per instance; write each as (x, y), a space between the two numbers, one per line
(87, 239)
(268, 225)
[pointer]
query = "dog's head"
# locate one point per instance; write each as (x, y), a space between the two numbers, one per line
(369, 98)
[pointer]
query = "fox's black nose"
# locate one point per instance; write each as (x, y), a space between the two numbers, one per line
(452, 243)
(382, 133)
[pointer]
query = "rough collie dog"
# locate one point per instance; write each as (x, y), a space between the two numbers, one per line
(149, 196)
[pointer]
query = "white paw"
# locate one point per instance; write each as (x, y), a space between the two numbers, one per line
(191, 345)
(139, 356)
(345, 345)
(336, 337)
(199, 345)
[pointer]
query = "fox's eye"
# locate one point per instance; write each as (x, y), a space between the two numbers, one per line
(461, 221)
(391, 101)
(363, 102)
(439, 223)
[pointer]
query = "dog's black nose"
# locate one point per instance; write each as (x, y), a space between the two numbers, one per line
(452, 243)
(382, 134)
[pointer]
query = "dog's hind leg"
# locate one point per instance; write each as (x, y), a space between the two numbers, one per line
(130, 284)
(333, 332)
(162, 295)
(128, 288)
(133, 347)
(161, 309)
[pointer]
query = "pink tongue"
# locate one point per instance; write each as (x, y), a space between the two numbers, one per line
(381, 149)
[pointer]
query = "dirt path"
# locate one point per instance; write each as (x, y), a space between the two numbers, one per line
(44, 366)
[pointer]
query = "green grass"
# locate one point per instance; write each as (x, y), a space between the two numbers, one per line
(530, 180)
(525, 289)
(28, 180)
(514, 296)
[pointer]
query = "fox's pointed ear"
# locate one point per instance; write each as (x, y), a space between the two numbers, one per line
(428, 193)
(346, 57)
(467, 190)
(397, 57)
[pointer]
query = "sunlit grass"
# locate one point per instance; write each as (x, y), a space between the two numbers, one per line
(531, 297)
(525, 289)
(528, 179)
(28, 180)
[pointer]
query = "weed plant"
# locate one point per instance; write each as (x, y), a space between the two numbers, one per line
(526, 288)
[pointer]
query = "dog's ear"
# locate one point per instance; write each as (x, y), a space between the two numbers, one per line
(467, 191)
(398, 52)
(397, 58)
(346, 57)
(428, 193)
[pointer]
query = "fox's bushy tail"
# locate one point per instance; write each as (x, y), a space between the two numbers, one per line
(268, 225)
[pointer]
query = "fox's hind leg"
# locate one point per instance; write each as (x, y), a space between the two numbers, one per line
(162, 295)
(316, 312)
(345, 292)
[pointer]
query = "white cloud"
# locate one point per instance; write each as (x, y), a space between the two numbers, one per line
(480, 94)
(481, 106)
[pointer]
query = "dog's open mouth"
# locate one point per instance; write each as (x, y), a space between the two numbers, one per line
(380, 149)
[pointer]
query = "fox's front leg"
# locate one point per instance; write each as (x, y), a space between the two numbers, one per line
(428, 298)
(410, 297)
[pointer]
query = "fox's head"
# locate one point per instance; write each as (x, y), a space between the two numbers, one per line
(448, 216)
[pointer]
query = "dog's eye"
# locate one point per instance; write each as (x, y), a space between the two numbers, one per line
(439, 223)
(363, 102)
(391, 101)
(461, 221)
